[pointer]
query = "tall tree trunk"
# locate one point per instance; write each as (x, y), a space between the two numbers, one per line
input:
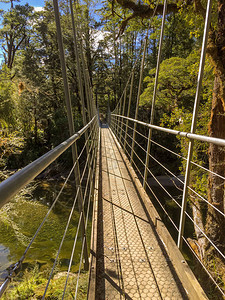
(215, 221)
(216, 49)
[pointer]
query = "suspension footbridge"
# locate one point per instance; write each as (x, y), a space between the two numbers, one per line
(132, 254)
(131, 258)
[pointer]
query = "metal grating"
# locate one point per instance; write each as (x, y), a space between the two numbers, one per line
(134, 262)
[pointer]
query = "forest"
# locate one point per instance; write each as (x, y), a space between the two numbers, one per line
(32, 107)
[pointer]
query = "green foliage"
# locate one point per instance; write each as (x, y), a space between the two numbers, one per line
(17, 228)
(31, 87)
(7, 101)
(14, 33)
(11, 144)
(33, 282)
(177, 38)
(177, 85)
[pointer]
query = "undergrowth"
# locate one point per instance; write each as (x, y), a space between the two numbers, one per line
(33, 282)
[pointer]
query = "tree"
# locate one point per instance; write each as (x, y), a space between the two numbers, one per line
(177, 79)
(175, 98)
(14, 33)
(195, 11)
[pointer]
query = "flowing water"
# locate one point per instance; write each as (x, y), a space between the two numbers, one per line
(20, 218)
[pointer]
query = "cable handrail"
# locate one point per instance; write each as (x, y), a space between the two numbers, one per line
(190, 188)
(60, 149)
(177, 202)
(155, 160)
(119, 127)
(72, 209)
(13, 184)
(191, 136)
(172, 152)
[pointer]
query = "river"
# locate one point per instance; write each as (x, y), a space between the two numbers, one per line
(20, 218)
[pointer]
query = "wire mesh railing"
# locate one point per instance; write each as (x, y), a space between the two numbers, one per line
(84, 176)
(124, 133)
(16, 182)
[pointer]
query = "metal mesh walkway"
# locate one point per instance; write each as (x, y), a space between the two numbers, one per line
(132, 262)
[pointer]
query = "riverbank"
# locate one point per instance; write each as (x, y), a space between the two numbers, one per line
(32, 282)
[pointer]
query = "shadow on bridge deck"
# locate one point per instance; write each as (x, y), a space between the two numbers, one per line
(131, 260)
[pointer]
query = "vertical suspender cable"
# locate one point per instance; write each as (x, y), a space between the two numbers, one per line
(194, 122)
(87, 83)
(154, 94)
(136, 60)
(91, 96)
(108, 112)
(124, 104)
(119, 113)
(71, 124)
(139, 93)
(79, 76)
(128, 109)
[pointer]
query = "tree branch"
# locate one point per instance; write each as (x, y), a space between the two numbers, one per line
(142, 11)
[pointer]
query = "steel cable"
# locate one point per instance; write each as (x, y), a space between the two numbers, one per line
(157, 180)
(178, 155)
(139, 55)
(81, 257)
(175, 200)
(205, 235)
(70, 216)
(191, 189)
(198, 259)
(191, 136)
(75, 240)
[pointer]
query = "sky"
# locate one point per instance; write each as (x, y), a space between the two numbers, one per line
(35, 3)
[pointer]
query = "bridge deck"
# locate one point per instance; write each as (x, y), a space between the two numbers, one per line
(131, 260)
